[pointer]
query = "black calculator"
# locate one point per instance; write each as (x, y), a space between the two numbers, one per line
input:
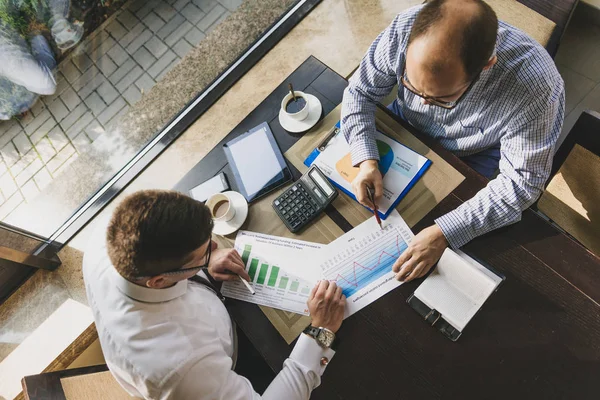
(305, 200)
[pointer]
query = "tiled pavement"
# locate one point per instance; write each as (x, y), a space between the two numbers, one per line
(109, 72)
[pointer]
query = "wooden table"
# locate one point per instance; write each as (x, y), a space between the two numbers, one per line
(538, 336)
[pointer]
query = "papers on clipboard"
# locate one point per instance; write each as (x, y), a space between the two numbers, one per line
(400, 166)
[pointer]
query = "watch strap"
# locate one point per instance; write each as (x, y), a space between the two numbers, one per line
(434, 318)
(314, 333)
(311, 331)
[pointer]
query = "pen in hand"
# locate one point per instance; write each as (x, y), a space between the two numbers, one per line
(247, 284)
(372, 200)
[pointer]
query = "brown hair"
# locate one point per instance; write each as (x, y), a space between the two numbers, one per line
(477, 36)
(152, 230)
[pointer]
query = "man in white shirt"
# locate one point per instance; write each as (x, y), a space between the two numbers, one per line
(165, 337)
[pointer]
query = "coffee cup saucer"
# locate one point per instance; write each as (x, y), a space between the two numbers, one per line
(240, 205)
(295, 126)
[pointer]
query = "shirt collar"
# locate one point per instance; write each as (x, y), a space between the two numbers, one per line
(146, 294)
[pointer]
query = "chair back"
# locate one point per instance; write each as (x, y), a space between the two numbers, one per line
(524, 18)
(572, 196)
(585, 133)
(87, 383)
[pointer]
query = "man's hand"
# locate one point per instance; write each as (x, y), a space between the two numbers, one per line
(369, 175)
(423, 252)
(225, 264)
(326, 305)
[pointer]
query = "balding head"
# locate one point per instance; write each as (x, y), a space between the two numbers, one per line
(453, 31)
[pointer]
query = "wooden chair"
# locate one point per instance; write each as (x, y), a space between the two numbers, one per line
(572, 196)
(96, 382)
(88, 383)
(585, 133)
(559, 12)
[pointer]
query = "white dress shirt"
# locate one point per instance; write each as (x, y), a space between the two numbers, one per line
(178, 342)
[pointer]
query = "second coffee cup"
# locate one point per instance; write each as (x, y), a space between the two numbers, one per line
(220, 207)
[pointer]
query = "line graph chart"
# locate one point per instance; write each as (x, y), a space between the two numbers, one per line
(364, 258)
(368, 266)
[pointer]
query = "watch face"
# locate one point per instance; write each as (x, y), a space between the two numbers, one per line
(326, 338)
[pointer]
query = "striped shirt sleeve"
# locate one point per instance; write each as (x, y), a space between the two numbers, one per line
(374, 79)
(526, 160)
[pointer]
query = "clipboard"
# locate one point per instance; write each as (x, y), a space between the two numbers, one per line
(333, 132)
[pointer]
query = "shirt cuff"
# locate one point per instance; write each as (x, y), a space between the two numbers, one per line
(363, 149)
(309, 354)
(457, 232)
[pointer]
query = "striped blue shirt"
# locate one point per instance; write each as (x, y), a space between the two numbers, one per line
(517, 104)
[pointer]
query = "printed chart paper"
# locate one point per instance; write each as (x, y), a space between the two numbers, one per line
(361, 260)
(400, 166)
(281, 271)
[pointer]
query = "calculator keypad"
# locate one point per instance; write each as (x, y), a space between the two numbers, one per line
(296, 206)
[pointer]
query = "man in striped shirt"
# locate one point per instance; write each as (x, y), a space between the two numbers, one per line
(484, 89)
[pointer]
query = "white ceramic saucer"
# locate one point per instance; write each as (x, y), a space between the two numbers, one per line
(314, 113)
(240, 205)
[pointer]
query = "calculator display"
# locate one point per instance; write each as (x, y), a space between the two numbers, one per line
(321, 182)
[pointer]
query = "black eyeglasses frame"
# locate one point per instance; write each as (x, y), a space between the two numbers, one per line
(184, 270)
(448, 105)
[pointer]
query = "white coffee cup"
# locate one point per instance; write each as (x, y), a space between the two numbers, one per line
(221, 207)
(300, 115)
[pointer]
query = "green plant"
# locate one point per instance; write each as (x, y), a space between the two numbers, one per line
(19, 16)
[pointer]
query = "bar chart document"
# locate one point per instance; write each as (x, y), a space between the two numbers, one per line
(361, 261)
(281, 271)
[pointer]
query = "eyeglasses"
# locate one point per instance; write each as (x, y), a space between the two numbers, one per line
(184, 270)
(448, 105)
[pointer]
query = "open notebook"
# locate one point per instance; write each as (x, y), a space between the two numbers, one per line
(454, 292)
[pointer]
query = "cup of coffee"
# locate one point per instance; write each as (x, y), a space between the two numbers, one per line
(221, 207)
(295, 108)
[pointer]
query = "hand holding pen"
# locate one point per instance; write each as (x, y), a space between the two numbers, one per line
(227, 265)
(372, 200)
(368, 177)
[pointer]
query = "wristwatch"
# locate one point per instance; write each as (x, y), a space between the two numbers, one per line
(324, 337)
